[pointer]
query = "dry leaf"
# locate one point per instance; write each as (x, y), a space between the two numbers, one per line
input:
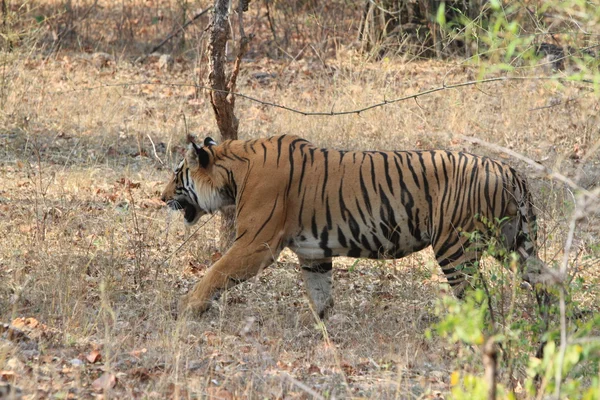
(154, 202)
(94, 356)
(313, 369)
(216, 256)
(139, 373)
(138, 353)
(105, 382)
(219, 393)
(8, 375)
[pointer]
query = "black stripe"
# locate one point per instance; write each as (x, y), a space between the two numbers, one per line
(342, 154)
(365, 192)
(302, 171)
(265, 153)
(388, 220)
(354, 251)
(324, 242)
(328, 214)
(386, 171)
(291, 160)
(301, 208)
(354, 228)
(428, 197)
(343, 208)
(373, 177)
(365, 242)
(279, 143)
(341, 238)
(412, 170)
(267, 220)
(326, 164)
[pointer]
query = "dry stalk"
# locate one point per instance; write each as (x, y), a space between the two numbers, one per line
(585, 204)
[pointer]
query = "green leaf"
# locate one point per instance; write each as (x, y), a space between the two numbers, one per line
(440, 18)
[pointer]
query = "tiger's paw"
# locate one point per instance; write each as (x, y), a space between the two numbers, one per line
(190, 308)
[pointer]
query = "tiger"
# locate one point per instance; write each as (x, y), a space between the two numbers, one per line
(323, 203)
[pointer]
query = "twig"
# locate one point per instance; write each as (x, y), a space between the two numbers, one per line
(167, 258)
(271, 23)
(558, 103)
(302, 386)
(154, 150)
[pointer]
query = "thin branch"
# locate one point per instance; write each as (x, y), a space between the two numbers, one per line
(244, 42)
(541, 168)
(177, 31)
(338, 113)
(577, 214)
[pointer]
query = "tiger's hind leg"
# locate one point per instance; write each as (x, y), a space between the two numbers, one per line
(519, 235)
(317, 276)
(459, 277)
(458, 262)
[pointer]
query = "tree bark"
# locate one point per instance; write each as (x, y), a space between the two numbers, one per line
(222, 95)
(222, 103)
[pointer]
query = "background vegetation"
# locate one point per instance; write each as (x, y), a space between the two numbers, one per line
(90, 262)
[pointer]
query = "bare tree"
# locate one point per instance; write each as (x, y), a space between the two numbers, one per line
(223, 86)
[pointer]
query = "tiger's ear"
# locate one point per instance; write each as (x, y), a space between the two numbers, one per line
(209, 142)
(196, 156)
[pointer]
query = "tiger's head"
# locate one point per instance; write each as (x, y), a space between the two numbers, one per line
(193, 188)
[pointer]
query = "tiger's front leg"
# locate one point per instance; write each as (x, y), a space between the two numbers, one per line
(239, 264)
(317, 275)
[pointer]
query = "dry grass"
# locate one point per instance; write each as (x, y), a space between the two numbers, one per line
(87, 251)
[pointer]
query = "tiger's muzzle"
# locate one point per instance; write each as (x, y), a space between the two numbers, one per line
(191, 212)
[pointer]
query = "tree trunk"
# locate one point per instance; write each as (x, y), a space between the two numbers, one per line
(222, 95)
(222, 103)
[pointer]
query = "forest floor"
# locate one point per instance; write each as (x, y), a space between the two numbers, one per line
(91, 261)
